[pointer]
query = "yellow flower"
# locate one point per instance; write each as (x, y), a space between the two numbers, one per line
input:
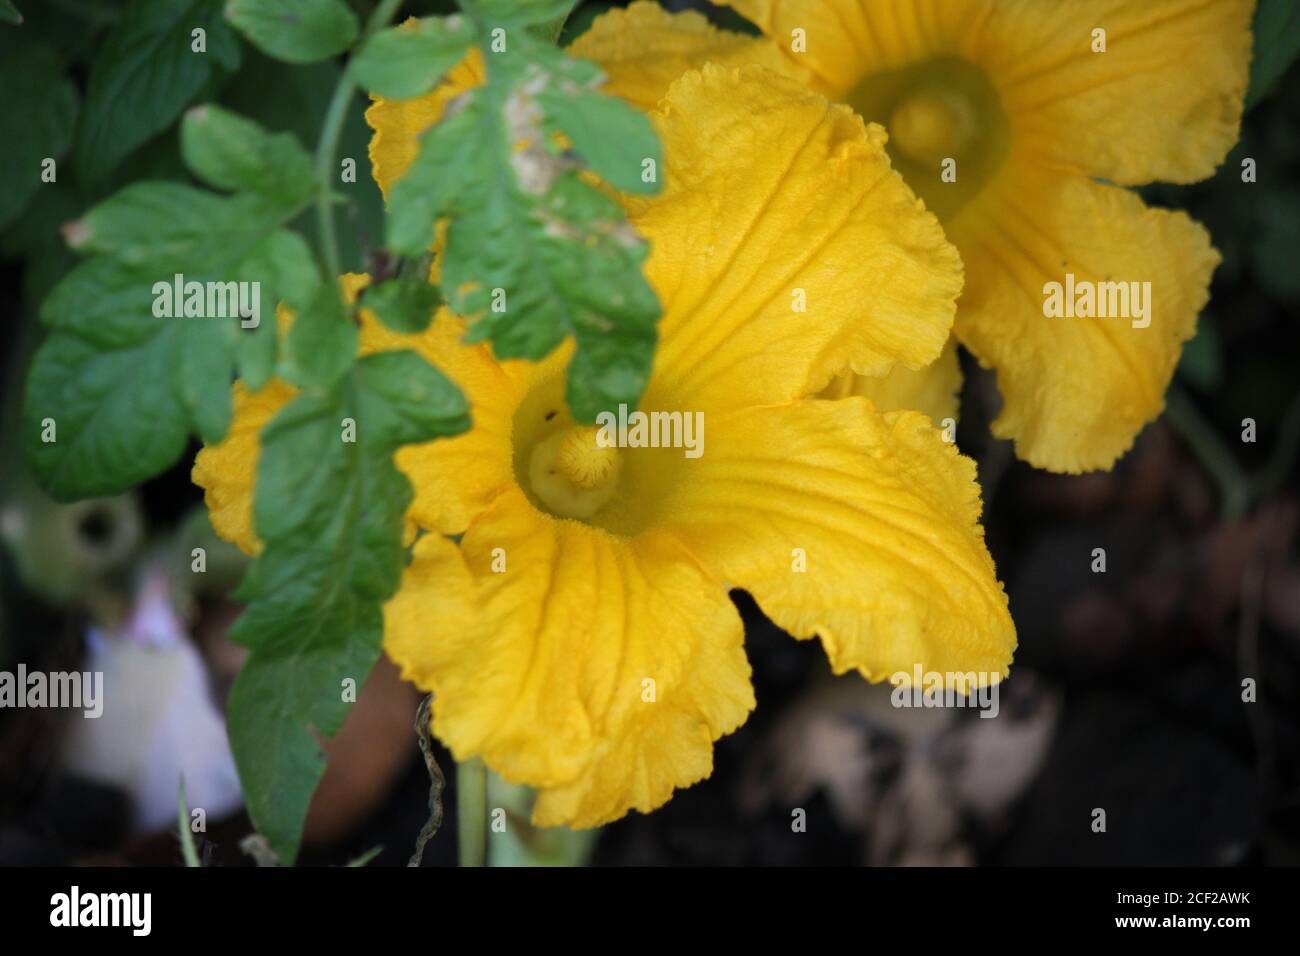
(932, 390)
(1021, 96)
(579, 635)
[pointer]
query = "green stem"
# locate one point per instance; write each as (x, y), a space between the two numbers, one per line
(1209, 449)
(1275, 473)
(325, 151)
(183, 832)
(472, 812)
(327, 148)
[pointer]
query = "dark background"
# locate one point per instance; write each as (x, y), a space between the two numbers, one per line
(1126, 693)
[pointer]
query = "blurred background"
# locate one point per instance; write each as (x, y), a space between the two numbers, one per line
(1126, 693)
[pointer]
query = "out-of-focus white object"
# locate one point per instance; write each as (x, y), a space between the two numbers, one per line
(905, 777)
(159, 721)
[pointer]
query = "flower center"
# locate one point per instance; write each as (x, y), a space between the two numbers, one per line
(948, 133)
(572, 473)
(931, 126)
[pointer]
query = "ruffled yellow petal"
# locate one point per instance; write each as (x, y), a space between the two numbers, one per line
(784, 248)
(857, 527)
(1163, 102)
(225, 470)
(932, 390)
(596, 669)
(456, 478)
(842, 41)
(399, 123)
(1076, 390)
(644, 48)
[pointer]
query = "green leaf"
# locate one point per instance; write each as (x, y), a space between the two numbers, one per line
(322, 344)
(125, 384)
(205, 354)
(523, 12)
(106, 378)
(283, 266)
(409, 60)
(146, 73)
(437, 180)
(406, 401)
(9, 13)
(330, 513)
(296, 31)
(301, 101)
(229, 152)
(616, 139)
(533, 253)
(36, 123)
(403, 305)
(1277, 44)
(172, 225)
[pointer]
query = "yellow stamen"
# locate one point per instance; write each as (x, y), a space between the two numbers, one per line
(932, 126)
(572, 474)
(582, 460)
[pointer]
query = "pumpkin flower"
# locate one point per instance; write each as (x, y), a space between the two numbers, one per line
(567, 602)
(1018, 122)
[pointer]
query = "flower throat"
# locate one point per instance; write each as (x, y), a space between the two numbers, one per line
(943, 113)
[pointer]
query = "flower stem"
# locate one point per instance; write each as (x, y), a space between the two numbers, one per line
(1213, 454)
(471, 812)
(1275, 473)
(335, 116)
